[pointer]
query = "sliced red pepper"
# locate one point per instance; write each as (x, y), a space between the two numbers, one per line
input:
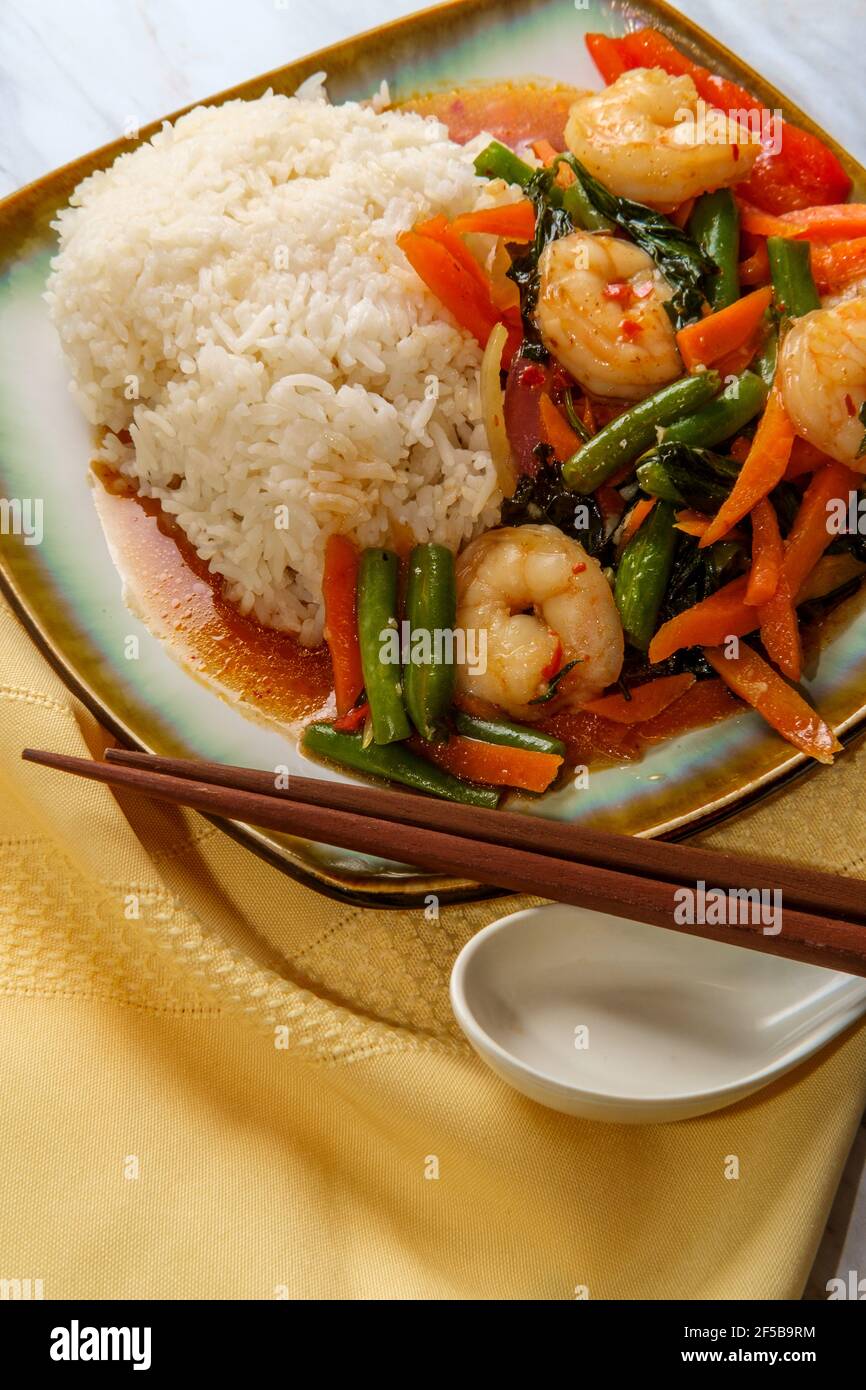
(348, 723)
(606, 53)
(803, 173)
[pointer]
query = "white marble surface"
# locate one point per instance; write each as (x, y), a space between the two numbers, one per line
(76, 73)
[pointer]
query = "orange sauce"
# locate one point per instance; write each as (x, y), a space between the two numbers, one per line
(180, 599)
(516, 114)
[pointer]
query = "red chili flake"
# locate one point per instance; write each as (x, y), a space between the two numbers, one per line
(619, 290)
(579, 569)
(533, 375)
(850, 406)
(735, 151)
(555, 662)
(630, 329)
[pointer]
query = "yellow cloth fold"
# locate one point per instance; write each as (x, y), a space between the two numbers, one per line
(218, 1084)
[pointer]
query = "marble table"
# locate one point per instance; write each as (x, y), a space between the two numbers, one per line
(75, 74)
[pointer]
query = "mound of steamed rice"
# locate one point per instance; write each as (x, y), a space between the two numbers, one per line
(232, 295)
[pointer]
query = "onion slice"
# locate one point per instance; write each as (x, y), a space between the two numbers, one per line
(493, 410)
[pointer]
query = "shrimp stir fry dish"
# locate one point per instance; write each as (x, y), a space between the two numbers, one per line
(670, 317)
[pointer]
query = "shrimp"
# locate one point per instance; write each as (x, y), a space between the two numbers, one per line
(542, 603)
(822, 371)
(601, 313)
(647, 137)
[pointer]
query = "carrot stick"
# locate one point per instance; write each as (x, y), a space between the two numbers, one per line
(725, 613)
(715, 337)
(607, 56)
(556, 430)
(762, 470)
(453, 285)
(750, 677)
(493, 763)
(635, 519)
(691, 523)
(805, 458)
(543, 150)
(439, 229)
(758, 223)
(767, 554)
(708, 623)
(810, 535)
(339, 589)
(646, 700)
(833, 266)
(516, 221)
(780, 631)
(832, 222)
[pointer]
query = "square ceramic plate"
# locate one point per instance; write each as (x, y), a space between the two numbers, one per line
(68, 591)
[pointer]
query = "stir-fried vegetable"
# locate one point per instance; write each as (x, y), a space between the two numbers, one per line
(715, 226)
(762, 470)
(780, 631)
(431, 610)
(716, 544)
(546, 499)
(377, 620)
(793, 285)
(720, 418)
(643, 702)
(711, 341)
(679, 473)
(512, 735)
(503, 765)
(630, 434)
(750, 677)
(643, 574)
(394, 761)
(339, 590)
(768, 554)
(493, 409)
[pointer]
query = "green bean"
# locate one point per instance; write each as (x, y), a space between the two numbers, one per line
(655, 480)
(791, 268)
(377, 631)
(509, 735)
(497, 161)
(394, 762)
(629, 435)
(764, 365)
(739, 403)
(431, 610)
(643, 574)
(582, 211)
(715, 226)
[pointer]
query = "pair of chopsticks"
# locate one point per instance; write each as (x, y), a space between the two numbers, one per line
(823, 916)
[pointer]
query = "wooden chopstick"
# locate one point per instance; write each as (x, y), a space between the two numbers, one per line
(814, 939)
(801, 888)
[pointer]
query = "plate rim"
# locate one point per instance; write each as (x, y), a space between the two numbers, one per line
(370, 889)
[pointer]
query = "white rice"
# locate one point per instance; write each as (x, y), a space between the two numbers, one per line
(232, 294)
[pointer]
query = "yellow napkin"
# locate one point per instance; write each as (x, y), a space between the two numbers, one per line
(218, 1084)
